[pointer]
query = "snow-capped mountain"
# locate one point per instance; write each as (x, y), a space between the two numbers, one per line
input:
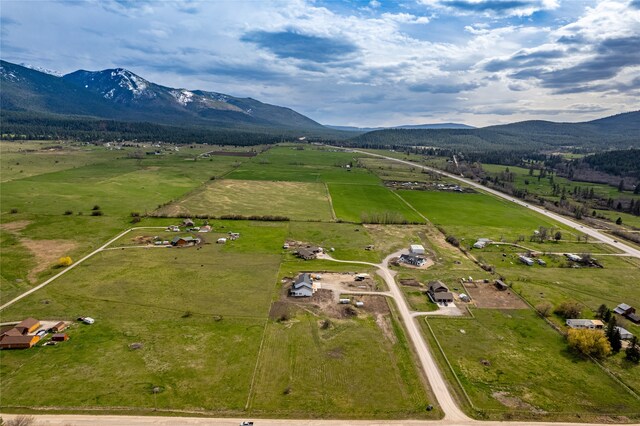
(41, 69)
(120, 94)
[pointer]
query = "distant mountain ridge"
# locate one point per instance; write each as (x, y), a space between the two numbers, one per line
(120, 94)
(620, 131)
(406, 126)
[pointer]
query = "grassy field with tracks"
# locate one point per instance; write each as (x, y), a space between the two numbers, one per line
(295, 200)
(511, 364)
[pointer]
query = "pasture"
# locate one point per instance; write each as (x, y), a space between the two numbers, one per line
(348, 370)
(370, 203)
(295, 200)
(472, 216)
(512, 364)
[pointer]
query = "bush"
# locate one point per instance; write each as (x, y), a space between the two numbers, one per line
(589, 342)
(14, 211)
(68, 212)
(452, 240)
(64, 261)
(544, 309)
(96, 213)
(96, 207)
(568, 310)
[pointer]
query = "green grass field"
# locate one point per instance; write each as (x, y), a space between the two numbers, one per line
(295, 200)
(350, 370)
(527, 371)
(366, 203)
(473, 216)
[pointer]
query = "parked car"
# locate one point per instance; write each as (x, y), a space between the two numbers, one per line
(50, 343)
(86, 320)
(246, 424)
(41, 333)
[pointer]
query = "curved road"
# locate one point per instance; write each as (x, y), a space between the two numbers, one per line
(452, 412)
(631, 251)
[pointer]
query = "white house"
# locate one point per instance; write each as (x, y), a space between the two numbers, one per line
(585, 323)
(303, 286)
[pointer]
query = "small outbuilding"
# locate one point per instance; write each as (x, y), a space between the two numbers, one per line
(184, 241)
(58, 327)
(416, 249)
(526, 260)
(624, 309)
(222, 241)
(500, 285)
(188, 222)
(624, 333)
(60, 337)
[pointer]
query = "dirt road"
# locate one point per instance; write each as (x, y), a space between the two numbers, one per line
(436, 381)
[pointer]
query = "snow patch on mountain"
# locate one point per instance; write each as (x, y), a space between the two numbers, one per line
(41, 69)
(182, 96)
(8, 75)
(136, 85)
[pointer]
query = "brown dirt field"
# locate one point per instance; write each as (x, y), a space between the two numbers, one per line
(411, 282)
(488, 296)
(47, 252)
(16, 226)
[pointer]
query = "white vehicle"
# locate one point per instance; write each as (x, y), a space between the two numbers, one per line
(87, 320)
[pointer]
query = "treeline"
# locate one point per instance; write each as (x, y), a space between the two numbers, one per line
(534, 136)
(29, 126)
(620, 163)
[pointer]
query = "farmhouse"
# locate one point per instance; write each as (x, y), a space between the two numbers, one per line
(308, 253)
(184, 241)
(585, 324)
(28, 326)
(438, 292)
(303, 286)
(412, 260)
(416, 249)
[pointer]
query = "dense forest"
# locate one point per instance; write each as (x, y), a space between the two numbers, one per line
(619, 163)
(27, 125)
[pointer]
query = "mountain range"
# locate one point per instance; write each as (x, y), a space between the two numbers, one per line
(116, 103)
(119, 94)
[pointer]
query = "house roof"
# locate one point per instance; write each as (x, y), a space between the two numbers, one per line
(437, 286)
(302, 252)
(187, 239)
(443, 295)
(621, 308)
(575, 322)
(12, 332)
(60, 326)
(633, 317)
(18, 340)
(28, 323)
(414, 247)
(624, 332)
(303, 280)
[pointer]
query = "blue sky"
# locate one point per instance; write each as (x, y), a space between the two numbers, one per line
(349, 62)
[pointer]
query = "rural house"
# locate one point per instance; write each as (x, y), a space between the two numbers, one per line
(184, 241)
(188, 222)
(585, 324)
(412, 260)
(624, 309)
(438, 292)
(303, 286)
(624, 333)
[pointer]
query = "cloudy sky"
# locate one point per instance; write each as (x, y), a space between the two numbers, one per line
(350, 62)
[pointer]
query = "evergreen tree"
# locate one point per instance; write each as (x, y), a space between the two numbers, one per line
(619, 221)
(633, 351)
(613, 335)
